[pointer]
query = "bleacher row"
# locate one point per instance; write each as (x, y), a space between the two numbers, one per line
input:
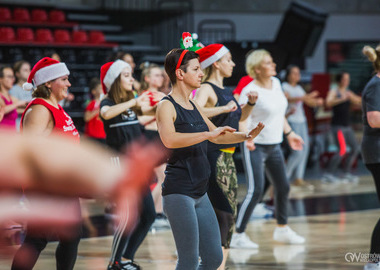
(22, 26)
(22, 15)
(58, 36)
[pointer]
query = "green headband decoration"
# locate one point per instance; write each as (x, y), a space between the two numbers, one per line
(190, 42)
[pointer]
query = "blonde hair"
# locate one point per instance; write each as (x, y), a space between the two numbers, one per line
(254, 59)
(207, 73)
(373, 55)
(146, 72)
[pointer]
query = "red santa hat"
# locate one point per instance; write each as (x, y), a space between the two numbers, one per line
(210, 54)
(45, 70)
(110, 71)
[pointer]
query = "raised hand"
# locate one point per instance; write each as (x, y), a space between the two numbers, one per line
(256, 131)
(231, 106)
(252, 97)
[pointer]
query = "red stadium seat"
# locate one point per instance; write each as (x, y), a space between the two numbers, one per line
(44, 36)
(62, 36)
(97, 37)
(21, 15)
(5, 14)
(39, 15)
(25, 35)
(80, 37)
(7, 34)
(57, 16)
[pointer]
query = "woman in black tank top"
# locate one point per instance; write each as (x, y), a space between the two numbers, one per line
(222, 108)
(340, 101)
(185, 131)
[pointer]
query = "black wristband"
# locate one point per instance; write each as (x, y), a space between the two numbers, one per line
(251, 104)
(287, 134)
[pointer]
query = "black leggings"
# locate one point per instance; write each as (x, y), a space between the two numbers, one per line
(375, 241)
(127, 245)
(66, 252)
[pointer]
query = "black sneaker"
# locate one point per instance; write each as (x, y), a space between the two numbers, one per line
(130, 266)
(124, 266)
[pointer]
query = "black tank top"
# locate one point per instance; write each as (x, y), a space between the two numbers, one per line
(341, 113)
(188, 169)
(225, 119)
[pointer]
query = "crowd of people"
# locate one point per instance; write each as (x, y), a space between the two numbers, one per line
(186, 108)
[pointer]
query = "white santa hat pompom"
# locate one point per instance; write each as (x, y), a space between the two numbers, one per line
(27, 86)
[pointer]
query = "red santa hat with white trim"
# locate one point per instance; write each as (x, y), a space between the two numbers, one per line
(210, 54)
(110, 71)
(45, 70)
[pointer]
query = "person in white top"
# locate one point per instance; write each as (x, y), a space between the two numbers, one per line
(297, 97)
(266, 154)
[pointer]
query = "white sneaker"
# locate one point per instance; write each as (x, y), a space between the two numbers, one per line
(287, 236)
(241, 240)
(329, 178)
(372, 266)
(351, 178)
(260, 211)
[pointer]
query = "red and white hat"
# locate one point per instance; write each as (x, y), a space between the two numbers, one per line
(110, 71)
(210, 54)
(45, 70)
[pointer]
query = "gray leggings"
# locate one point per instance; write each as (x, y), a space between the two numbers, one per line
(270, 160)
(195, 230)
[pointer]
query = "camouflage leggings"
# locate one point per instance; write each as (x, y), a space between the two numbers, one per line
(223, 192)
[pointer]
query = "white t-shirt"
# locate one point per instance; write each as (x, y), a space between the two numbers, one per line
(294, 92)
(270, 109)
(21, 94)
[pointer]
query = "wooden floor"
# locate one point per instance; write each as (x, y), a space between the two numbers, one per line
(329, 238)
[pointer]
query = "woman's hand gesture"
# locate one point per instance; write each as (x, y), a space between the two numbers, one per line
(256, 131)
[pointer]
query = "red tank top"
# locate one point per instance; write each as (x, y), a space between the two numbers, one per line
(62, 121)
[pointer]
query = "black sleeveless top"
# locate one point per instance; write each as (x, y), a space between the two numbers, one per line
(122, 129)
(225, 119)
(341, 113)
(188, 170)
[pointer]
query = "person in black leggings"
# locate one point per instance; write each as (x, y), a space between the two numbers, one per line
(119, 110)
(371, 140)
(185, 130)
(340, 100)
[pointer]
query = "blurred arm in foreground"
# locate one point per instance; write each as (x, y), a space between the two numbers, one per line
(54, 169)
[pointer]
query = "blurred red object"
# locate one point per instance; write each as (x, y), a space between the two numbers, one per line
(57, 16)
(62, 36)
(39, 15)
(5, 14)
(7, 34)
(80, 37)
(21, 15)
(25, 35)
(44, 35)
(97, 37)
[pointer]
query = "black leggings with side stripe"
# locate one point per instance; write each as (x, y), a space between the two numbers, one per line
(375, 240)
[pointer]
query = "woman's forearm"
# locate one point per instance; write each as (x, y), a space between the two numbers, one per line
(88, 115)
(246, 111)
(10, 108)
(115, 110)
(180, 140)
(213, 111)
(231, 138)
